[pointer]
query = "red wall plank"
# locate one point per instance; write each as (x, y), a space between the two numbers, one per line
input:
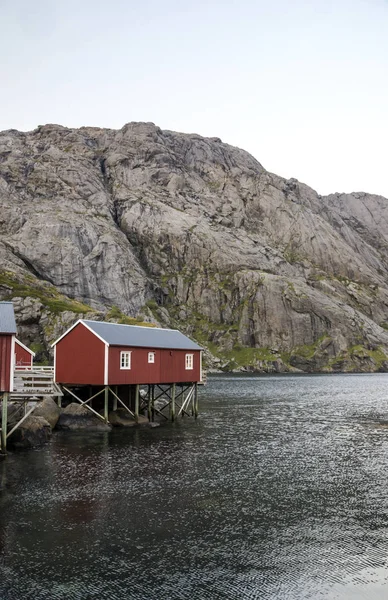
(80, 358)
(5, 362)
(169, 366)
(23, 358)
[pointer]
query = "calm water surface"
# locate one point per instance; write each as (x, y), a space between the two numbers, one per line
(278, 491)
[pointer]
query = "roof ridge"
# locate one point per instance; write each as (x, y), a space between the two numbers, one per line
(127, 325)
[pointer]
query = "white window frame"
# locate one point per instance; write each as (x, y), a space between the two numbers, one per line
(125, 360)
(151, 357)
(189, 362)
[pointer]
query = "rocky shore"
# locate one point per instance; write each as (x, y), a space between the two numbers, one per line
(38, 428)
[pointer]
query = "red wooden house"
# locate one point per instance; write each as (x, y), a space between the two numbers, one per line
(96, 353)
(7, 346)
(23, 356)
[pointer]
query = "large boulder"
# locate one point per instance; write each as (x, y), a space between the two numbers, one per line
(49, 410)
(76, 417)
(121, 418)
(34, 431)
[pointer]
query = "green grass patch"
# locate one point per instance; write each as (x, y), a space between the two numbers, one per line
(292, 256)
(123, 319)
(308, 350)
(377, 355)
(48, 295)
(37, 347)
(244, 357)
(152, 305)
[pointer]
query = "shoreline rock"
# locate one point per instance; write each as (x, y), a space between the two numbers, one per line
(76, 417)
(121, 418)
(49, 410)
(33, 432)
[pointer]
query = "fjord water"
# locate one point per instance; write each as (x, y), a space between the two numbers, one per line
(278, 491)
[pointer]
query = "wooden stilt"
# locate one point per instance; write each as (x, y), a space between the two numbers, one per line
(122, 403)
(106, 404)
(172, 406)
(149, 403)
(27, 414)
(196, 400)
(115, 398)
(153, 402)
(186, 402)
(4, 418)
(137, 403)
(192, 402)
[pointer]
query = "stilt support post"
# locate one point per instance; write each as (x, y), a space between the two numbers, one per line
(4, 419)
(196, 400)
(172, 405)
(137, 393)
(106, 404)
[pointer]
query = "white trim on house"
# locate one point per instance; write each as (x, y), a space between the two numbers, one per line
(12, 365)
(75, 325)
(55, 364)
(126, 355)
(106, 364)
(200, 367)
(24, 347)
(66, 332)
(96, 334)
(151, 357)
(189, 362)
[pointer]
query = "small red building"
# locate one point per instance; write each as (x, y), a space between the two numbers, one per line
(96, 353)
(7, 346)
(23, 356)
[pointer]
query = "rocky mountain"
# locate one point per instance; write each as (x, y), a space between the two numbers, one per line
(142, 224)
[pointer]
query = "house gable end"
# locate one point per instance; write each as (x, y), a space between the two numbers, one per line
(82, 322)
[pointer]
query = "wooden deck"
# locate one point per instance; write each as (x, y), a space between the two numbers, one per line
(34, 382)
(31, 386)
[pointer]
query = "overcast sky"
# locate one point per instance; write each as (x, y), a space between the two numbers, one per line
(301, 84)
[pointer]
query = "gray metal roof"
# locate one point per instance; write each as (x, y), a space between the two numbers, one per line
(7, 318)
(145, 337)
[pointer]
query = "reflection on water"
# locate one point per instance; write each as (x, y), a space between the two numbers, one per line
(278, 491)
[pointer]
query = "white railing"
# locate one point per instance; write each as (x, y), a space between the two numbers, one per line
(38, 369)
(35, 382)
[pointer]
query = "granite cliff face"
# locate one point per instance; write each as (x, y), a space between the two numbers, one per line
(191, 233)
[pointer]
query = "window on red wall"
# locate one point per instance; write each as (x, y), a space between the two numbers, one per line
(125, 360)
(189, 362)
(151, 357)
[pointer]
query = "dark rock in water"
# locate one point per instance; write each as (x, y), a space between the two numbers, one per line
(121, 418)
(76, 417)
(34, 431)
(49, 410)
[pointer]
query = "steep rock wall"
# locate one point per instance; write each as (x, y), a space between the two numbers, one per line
(191, 233)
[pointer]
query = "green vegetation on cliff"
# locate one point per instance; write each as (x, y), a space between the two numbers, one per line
(29, 287)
